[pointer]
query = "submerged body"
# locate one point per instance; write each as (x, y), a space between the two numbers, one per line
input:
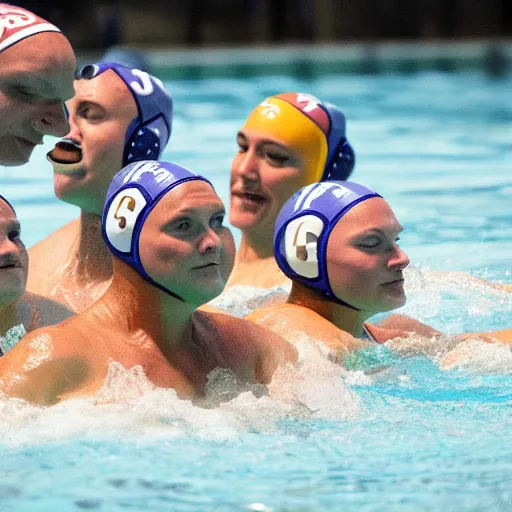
(163, 224)
(73, 358)
(337, 242)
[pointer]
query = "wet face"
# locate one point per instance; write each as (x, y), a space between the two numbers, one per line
(13, 257)
(33, 88)
(99, 114)
(364, 262)
(184, 246)
(265, 173)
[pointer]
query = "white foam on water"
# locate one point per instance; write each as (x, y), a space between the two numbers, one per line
(129, 406)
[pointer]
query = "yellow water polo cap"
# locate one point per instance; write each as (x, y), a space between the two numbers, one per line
(315, 130)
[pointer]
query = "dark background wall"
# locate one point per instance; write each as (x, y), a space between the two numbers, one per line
(98, 24)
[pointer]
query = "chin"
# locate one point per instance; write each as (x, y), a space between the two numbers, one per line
(14, 160)
(243, 220)
(11, 294)
(395, 303)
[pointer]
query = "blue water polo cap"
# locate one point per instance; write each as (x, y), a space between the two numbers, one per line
(132, 195)
(341, 159)
(148, 134)
(304, 225)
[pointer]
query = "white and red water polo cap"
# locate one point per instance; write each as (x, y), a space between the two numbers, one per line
(17, 24)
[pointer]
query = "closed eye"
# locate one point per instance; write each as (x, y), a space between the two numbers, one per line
(14, 234)
(91, 113)
(370, 242)
(277, 158)
(242, 148)
(217, 221)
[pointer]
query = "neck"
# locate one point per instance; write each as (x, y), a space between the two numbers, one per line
(138, 307)
(255, 246)
(92, 261)
(9, 316)
(343, 317)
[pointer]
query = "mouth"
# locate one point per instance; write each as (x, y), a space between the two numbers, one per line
(9, 266)
(66, 157)
(395, 281)
(250, 197)
(207, 265)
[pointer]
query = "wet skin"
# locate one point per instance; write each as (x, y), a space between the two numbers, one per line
(33, 88)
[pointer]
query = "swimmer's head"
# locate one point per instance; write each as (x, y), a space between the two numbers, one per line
(119, 115)
(13, 256)
(288, 141)
(339, 238)
(166, 222)
(36, 77)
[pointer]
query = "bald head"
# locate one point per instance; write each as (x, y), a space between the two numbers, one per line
(36, 77)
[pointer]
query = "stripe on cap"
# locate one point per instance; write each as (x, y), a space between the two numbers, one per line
(310, 107)
(17, 24)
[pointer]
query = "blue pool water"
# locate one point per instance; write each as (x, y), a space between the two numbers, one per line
(438, 147)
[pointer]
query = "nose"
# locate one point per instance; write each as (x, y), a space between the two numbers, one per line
(74, 130)
(52, 120)
(399, 260)
(246, 165)
(9, 251)
(210, 243)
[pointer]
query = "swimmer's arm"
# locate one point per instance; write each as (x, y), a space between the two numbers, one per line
(477, 280)
(504, 336)
(406, 325)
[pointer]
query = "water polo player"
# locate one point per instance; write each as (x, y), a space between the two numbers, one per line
(36, 77)
(337, 242)
(288, 141)
(119, 115)
(20, 312)
(172, 253)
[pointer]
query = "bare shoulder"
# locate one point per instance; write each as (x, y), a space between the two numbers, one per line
(244, 341)
(40, 368)
(61, 234)
(246, 331)
(292, 322)
(44, 311)
(49, 254)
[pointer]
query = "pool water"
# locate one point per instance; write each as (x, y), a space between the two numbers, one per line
(410, 436)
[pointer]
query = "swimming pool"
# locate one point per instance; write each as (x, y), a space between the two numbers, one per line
(438, 148)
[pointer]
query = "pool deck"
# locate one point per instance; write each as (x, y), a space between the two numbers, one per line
(491, 54)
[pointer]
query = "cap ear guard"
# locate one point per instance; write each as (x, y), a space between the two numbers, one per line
(144, 142)
(341, 159)
(342, 163)
(122, 215)
(301, 245)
